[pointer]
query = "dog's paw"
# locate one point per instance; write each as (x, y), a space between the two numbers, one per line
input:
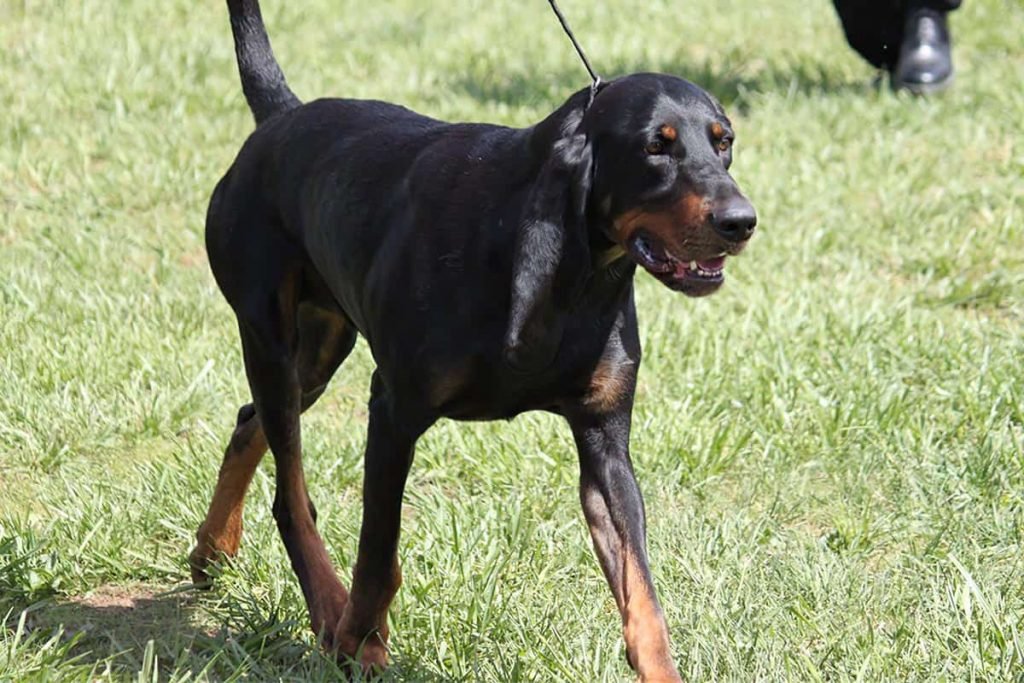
(661, 677)
(366, 656)
(363, 657)
(202, 565)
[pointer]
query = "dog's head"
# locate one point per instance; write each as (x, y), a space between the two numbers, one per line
(660, 187)
(640, 174)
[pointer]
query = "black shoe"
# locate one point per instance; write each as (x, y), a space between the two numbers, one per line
(925, 65)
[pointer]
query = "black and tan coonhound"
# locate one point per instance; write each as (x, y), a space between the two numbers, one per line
(490, 269)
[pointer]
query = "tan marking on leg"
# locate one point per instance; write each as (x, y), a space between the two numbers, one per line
(221, 531)
(446, 384)
(609, 384)
(643, 626)
(363, 632)
(329, 596)
(326, 597)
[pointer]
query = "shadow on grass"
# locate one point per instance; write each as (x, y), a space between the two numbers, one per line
(112, 626)
(184, 631)
(735, 86)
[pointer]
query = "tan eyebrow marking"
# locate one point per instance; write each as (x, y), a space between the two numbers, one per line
(717, 130)
(668, 132)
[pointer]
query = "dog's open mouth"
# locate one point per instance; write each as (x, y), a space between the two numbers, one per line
(693, 277)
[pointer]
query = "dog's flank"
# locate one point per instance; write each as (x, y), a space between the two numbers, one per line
(490, 271)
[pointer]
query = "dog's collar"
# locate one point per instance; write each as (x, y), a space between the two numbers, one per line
(610, 256)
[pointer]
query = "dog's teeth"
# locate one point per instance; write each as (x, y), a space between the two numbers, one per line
(693, 265)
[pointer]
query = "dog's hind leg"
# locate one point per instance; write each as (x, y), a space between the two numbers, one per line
(221, 530)
(269, 326)
(325, 339)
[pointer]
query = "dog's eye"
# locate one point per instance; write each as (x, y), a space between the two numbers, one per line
(723, 145)
(655, 147)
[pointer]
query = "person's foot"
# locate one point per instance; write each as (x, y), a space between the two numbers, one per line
(925, 64)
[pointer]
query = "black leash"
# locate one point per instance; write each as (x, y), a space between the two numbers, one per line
(595, 79)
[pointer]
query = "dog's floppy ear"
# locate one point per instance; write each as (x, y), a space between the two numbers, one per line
(552, 253)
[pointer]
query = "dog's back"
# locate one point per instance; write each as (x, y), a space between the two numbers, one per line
(360, 190)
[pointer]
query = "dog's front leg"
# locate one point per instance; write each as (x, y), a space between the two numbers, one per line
(391, 438)
(615, 514)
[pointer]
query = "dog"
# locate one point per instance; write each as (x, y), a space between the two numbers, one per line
(490, 269)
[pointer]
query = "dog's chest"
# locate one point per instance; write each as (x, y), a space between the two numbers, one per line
(593, 368)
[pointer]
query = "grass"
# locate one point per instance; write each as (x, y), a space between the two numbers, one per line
(832, 448)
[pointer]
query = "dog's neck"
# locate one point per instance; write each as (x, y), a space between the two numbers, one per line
(606, 252)
(612, 270)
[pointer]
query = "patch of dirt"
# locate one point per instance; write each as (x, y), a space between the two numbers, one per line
(112, 620)
(114, 596)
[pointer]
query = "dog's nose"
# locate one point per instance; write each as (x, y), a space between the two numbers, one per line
(734, 219)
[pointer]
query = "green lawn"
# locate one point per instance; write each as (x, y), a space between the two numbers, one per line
(832, 448)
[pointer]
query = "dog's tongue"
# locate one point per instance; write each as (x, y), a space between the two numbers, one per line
(712, 263)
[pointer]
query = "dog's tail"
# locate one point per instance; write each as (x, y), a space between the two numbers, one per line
(264, 85)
